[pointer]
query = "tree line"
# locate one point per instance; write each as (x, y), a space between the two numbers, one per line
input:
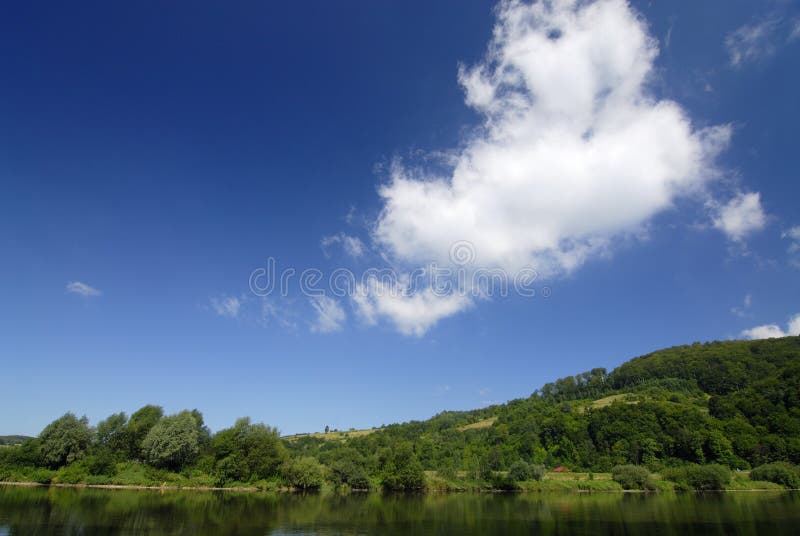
(150, 447)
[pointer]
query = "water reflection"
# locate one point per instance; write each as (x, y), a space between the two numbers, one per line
(92, 511)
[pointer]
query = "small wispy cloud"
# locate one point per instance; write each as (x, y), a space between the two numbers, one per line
(740, 216)
(668, 36)
(278, 313)
(761, 39)
(441, 390)
(484, 393)
(352, 245)
(741, 311)
(795, 33)
(793, 236)
(227, 306)
(350, 217)
(330, 315)
(772, 331)
(751, 42)
(82, 289)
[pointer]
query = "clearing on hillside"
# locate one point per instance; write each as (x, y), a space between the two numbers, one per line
(337, 435)
(486, 423)
(608, 400)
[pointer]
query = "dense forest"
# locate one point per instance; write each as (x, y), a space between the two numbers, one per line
(688, 414)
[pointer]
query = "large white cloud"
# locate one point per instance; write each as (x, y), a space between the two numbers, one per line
(575, 152)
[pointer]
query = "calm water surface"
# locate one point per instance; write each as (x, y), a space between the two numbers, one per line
(91, 511)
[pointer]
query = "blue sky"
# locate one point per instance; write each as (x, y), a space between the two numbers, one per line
(641, 158)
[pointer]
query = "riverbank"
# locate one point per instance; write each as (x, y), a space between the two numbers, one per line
(563, 486)
(575, 483)
(306, 474)
(138, 487)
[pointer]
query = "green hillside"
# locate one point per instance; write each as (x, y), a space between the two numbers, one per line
(688, 413)
(734, 402)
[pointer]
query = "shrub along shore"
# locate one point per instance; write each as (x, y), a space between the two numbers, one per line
(572, 483)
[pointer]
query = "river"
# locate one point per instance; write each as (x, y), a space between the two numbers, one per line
(43, 510)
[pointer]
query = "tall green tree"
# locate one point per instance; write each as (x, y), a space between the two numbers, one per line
(403, 471)
(112, 434)
(139, 425)
(173, 441)
(303, 473)
(248, 451)
(65, 440)
(204, 434)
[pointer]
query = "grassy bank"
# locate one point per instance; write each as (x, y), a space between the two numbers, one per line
(143, 477)
(587, 482)
(625, 478)
(129, 475)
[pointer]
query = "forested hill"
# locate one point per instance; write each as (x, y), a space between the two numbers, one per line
(734, 402)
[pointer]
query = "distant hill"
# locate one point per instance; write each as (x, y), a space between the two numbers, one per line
(13, 439)
(730, 402)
